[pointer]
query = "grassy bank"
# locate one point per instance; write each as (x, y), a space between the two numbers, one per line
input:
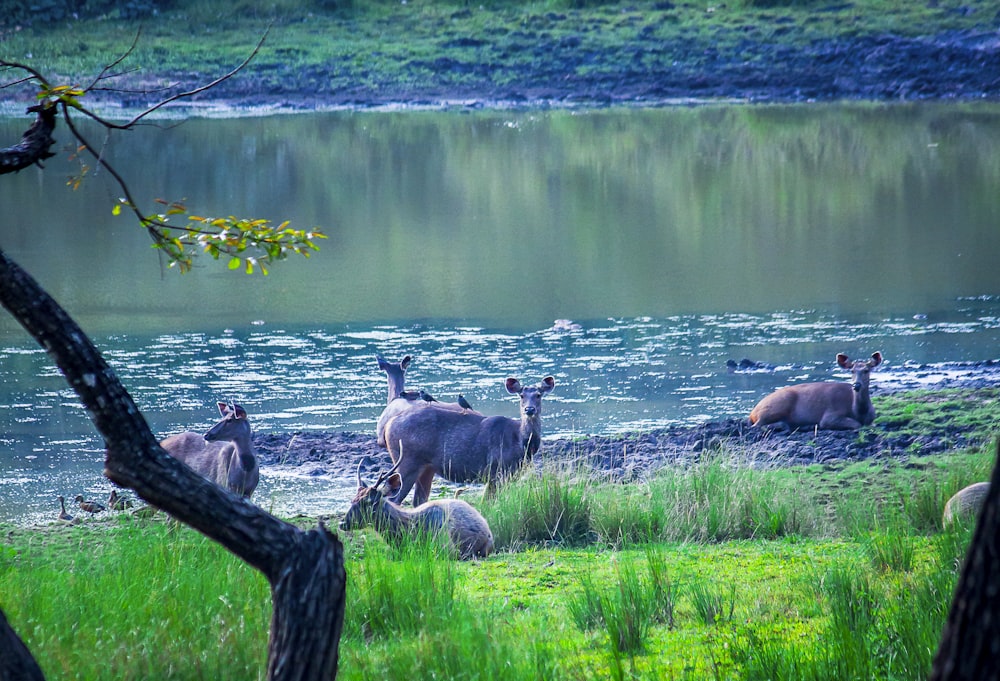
(720, 571)
(423, 48)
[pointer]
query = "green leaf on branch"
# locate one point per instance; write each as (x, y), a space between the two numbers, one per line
(256, 244)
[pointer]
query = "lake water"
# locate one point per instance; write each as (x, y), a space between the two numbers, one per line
(675, 238)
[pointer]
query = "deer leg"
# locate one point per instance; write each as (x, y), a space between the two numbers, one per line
(840, 423)
(407, 477)
(423, 490)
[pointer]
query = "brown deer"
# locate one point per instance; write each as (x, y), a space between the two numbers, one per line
(965, 503)
(225, 454)
(468, 532)
(465, 447)
(828, 405)
(399, 401)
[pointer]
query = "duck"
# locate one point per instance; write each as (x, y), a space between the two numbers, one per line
(63, 515)
(117, 503)
(89, 506)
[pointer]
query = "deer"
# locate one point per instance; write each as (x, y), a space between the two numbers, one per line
(966, 502)
(225, 454)
(468, 532)
(465, 446)
(828, 405)
(399, 400)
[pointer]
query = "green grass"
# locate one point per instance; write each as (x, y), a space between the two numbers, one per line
(331, 47)
(846, 595)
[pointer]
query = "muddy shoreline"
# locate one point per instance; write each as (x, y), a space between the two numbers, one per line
(635, 456)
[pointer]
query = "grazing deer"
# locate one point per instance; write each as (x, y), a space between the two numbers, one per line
(965, 503)
(224, 454)
(399, 400)
(467, 530)
(828, 405)
(464, 447)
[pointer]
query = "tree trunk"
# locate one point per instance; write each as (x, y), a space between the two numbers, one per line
(16, 662)
(970, 642)
(305, 569)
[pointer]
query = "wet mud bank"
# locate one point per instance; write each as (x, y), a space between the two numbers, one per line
(635, 456)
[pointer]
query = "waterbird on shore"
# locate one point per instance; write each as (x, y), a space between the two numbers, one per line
(464, 403)
(89, 506)
(117, 503)
(63, 515)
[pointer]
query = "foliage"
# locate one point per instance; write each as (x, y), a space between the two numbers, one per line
(250, 244)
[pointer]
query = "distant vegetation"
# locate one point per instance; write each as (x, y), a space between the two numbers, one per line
(326, 47)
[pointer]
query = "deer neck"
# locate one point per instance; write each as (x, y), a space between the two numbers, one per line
(243, 443)
(531, 435)
(862, 402)
(396, 385)
(392, 519)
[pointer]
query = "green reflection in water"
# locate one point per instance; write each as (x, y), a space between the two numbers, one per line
(513, 219)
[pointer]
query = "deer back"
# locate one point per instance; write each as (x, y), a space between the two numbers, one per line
(460, 446)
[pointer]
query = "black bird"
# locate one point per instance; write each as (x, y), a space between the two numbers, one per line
(410, 394)
(89, 506)
(464, 403)
(426, 397)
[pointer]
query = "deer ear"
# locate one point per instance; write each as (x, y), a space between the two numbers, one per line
(223, 408)
(844, 361)
(513, 386)
(548, 383)
(875, 360)
(392, 485)
(239, 411)
(405, 362)
(382, 364)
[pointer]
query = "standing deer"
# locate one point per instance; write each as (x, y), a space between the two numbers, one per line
(467, 529)
(399, 401)
(464, 447)
(828, 405)
(224, 454)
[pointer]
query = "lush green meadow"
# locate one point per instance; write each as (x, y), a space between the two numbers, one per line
(721, 570)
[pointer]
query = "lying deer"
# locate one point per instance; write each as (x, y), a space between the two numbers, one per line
(399, 401)
(966, 503)
(224, 454)
(464, 447)
(467, 530)
(828, 405)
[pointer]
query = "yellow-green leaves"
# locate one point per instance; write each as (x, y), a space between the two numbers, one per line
(250, 244)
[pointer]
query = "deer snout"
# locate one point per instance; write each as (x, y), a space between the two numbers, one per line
(530, 411)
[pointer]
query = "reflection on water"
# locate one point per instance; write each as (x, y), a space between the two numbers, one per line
(612, 375)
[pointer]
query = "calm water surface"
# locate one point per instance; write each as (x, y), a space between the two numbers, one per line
(676, 238)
